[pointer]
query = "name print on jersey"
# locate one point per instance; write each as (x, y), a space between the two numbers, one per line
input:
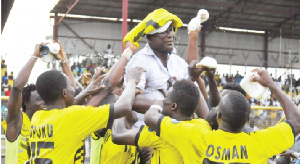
(41, 131)
(237, 152)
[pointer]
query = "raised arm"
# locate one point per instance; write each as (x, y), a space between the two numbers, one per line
(142, 103)
(194, 28)
(290, 110)
(194, 73)
(202, 109)
(62, 57)
(116, 72)
(214, 95)
(14, 115)
(112, 79)
(201, 86)
(124, 104)
(192, 52)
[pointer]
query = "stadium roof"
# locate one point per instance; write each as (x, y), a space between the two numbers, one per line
(262, 15)
(5, 10)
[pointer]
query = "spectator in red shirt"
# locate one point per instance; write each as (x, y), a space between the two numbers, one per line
(7, 93)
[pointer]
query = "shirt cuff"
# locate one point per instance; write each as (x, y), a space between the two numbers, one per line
(137, 137)
(158, 125)
(111, 116)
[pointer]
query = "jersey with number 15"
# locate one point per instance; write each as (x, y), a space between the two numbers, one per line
(55, 134)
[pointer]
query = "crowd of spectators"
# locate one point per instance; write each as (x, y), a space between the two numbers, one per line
(7, 81)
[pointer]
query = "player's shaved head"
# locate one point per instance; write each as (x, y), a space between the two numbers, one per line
(186, 95)
(234, 109)
(50, 85)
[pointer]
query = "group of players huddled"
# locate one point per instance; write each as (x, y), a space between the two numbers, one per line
(163, 114)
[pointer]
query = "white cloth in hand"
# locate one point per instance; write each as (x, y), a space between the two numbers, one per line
(203, 15)
(195, 23)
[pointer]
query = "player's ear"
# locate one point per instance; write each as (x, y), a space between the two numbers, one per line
(64, 93)
(174, 106)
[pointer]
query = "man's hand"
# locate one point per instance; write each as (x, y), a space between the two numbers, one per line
(36, 52)
(135, 74)
(194, 72)
(93, 87)
(61, 55)
(287, 154)
(210, 72)
(131, 46)
(144, 155)
(128, 53)
(264, 78)
(194, 34)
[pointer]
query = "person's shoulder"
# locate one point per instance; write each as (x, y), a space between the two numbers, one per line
(138, 56)
(75, 108)
(141, 54)
(171, 121)
(138, 59)
(202, 123)
(37, 113)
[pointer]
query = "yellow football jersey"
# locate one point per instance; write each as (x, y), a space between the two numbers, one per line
(80, 154)
(56, 135)
(18, 150)
(116, 154)
(195, 143)
(163, 151)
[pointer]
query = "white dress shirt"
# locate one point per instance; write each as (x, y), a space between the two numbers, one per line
(156, 76)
